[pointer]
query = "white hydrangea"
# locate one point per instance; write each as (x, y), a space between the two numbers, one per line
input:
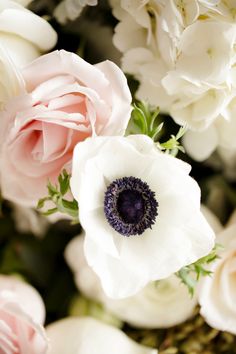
(219, 135)
(71, 9)
(183, 53)
(138, 229)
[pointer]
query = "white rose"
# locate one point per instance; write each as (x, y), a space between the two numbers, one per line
(194, 83)
(23, 34)
(159, 305)
(217, 292)
(138, 229)
(88, 336)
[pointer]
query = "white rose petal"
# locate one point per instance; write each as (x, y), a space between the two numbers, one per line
(217, 292)
(24, 34)
(89, 336)
(20, 50)
(180, 234)
(11, 80)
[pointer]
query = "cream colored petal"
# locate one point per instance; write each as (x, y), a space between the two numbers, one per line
(89, 336)
(200, 145)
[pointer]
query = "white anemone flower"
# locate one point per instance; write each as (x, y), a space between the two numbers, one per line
(160, 304)
(140, 210)
(89, 336)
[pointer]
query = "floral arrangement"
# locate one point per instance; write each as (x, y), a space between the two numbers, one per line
(117, 176)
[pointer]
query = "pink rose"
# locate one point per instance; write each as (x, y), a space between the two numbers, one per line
(67, 100)
(21, 317)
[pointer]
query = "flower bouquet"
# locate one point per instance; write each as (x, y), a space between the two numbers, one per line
(117, 176)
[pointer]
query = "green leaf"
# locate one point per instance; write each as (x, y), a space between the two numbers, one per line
(50, 211)
(153, 119)
(145, 120)
(56, 196)
(73, 205)
(41, 202)
(181, 132)
(140, 119)
(64, 182)
(186, 279)
(156, 131)
(172, 146)
(190, 274)
(52, 189)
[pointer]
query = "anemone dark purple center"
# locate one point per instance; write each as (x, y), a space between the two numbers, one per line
(130, 206)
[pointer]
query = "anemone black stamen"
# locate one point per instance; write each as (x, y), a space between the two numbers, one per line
(130, 206)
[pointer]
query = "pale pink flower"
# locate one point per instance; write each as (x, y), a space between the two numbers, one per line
(67, 100)
(22, 314)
